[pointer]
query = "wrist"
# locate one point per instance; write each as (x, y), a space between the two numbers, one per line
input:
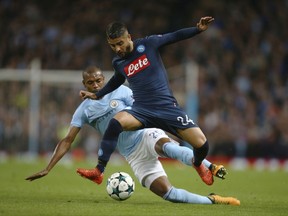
(199, 28)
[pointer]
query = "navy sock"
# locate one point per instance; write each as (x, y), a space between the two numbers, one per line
(108, 143)
(101, 165)
(200, 153)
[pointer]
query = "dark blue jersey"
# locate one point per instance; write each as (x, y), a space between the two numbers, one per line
(144, 70)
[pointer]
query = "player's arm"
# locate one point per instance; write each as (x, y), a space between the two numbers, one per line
(184, 33)
(116, 80)
(61, 149)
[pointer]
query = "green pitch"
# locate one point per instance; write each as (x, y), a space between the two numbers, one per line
(63, 192)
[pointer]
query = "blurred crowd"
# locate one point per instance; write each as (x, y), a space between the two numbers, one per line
(242, 58)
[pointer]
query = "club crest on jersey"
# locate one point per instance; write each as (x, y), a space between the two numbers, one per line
(113, 103)
(136, 66)
(141, 48)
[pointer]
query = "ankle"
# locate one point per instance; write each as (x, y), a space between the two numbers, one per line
(101, 166)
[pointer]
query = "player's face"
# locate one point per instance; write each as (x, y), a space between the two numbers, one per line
(93, 82)
(122, 45)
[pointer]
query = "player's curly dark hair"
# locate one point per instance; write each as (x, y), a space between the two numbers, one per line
(115, 30)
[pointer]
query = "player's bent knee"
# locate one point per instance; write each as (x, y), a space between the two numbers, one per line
(127, 121)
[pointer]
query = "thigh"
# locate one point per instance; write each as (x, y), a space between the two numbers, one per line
(146, 168)
(144, 159)
(127, 121)
(194, 136)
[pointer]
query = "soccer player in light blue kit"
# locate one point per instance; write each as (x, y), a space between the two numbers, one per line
(139, 62)
(141, 148)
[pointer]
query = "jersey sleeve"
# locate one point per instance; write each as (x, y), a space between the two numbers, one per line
(116, 80)
(172, 37)
(127, 96)
(78, 119)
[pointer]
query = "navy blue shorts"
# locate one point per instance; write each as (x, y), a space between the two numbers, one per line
(168, 118)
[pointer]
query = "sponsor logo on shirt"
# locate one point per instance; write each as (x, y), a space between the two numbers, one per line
(137, 65)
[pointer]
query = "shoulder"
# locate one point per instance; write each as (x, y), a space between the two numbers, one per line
(151, 37)
(151, 40)
(84, 103)
(115, 58)
(123, 89)
(117, 61)
(143, 40)
(82, 106)
(139, 40)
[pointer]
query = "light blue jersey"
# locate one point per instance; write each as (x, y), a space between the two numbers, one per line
(98, 113)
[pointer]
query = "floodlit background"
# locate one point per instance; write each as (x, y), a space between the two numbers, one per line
(232, 79)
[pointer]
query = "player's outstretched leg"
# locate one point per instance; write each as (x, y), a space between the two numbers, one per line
(216, 199)
(178, 195)
(92, 174)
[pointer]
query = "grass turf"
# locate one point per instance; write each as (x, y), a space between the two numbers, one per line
(63, 192)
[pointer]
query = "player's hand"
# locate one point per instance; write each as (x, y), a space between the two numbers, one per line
(85, 94)
(204, 22)
(37, 175)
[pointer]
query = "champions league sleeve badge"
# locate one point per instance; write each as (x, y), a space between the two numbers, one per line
(141, 48)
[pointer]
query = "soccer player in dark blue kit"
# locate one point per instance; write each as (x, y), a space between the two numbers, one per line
(140, 63)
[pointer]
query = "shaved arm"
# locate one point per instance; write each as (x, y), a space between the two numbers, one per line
(61, 149)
